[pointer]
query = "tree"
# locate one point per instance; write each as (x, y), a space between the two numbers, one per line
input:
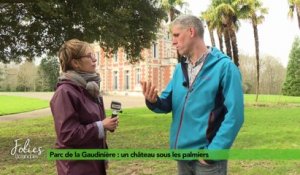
(229, 17)
(2, 72)
(247, 68)
(169, 6)
(2, 76)
(220, 38)
(291, 85)
(34, 28)
(294, 6)
(48, 73)
(208, 16)
(26, 77)
(253, 10)
(223, 16)
(214, 23)
(272, 75)
(9, 82)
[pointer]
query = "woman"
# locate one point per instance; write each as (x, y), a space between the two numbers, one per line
(78, 109)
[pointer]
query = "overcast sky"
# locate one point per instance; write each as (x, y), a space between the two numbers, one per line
(276, 34)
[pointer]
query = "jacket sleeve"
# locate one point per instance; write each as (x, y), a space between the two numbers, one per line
(69, 130)
(234, 102)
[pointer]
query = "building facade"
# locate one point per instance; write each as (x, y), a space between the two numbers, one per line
(120, 77)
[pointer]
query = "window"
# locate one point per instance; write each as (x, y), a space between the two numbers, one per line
(127, 77)
(115, 85)
(137, 75)
(154, 50)
(116, 56)
(125, 55)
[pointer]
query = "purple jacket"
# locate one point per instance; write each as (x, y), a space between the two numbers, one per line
(75, 113)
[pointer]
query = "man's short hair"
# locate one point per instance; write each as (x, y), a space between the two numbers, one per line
(187, 21)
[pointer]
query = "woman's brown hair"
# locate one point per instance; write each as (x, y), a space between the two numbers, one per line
(71, 49)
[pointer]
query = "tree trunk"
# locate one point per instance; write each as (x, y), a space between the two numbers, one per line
(220, 37)
(212, 38)
(298, 15)
(255, 32)
(235, 50)
(227, 42)
(172, 14)
(211, 35)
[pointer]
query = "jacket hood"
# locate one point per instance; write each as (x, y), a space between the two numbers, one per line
(212, 58)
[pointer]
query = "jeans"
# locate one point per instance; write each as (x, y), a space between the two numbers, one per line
(194, 167)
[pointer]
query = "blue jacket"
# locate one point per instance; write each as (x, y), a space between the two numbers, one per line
(210, 113)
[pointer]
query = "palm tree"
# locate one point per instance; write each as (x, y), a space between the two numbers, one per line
(254, 10)
(215, 23)
(169, 6)
(223, 16)
(211, 34)
(208, 17)
(295, 5)
(229, 15)
(220, 37)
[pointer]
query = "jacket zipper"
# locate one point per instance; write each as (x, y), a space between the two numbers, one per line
(181, 117)
(186, 97)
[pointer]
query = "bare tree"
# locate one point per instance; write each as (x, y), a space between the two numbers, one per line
(248, 69)
(272, 74)
(27, 77)
(8, 77)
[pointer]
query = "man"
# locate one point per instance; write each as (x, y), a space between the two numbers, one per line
(205, 97)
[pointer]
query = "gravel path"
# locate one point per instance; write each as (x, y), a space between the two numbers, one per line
(127, 102)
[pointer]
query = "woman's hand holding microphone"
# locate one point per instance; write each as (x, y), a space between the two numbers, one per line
(110, 123)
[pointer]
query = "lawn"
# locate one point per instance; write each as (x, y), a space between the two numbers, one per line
(15, 104)
(272, 100)
(264, 127)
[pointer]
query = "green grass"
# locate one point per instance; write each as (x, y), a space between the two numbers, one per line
(271, 100)
(264, 127)
(14, 104)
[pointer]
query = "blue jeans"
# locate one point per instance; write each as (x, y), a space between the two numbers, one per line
(194, 167)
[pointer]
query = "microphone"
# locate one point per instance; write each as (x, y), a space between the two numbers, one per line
(185, 84)
(116, 109)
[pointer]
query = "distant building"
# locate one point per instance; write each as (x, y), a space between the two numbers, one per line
(120, 77)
